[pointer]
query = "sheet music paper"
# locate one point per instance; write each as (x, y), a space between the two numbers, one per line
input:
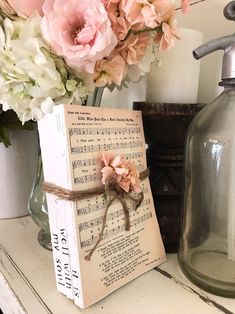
(122, 255)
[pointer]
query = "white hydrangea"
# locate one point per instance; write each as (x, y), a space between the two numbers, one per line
(32, 79)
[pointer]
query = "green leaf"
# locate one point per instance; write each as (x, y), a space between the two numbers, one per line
(4, 136)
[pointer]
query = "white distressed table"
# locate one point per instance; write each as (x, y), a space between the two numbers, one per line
(27, 283)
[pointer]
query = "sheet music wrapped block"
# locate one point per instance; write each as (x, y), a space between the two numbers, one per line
(72, 139)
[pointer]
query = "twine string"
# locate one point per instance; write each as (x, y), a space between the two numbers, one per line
(88, 256)
(114, 189)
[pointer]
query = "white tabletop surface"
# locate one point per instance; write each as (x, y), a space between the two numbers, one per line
(27, 283)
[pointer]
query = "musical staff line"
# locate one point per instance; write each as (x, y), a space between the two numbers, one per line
(98, 206)
(96, 176)
(99, 220)
(94, 161)
(116, 230)
(100, 147)
(103, 131)
(88, 178)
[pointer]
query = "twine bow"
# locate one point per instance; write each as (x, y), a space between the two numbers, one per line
(113, 190)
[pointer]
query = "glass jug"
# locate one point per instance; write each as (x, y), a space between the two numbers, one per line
(207, 248)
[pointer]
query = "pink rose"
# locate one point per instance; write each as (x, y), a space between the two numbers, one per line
(79, 31)
(26, 7)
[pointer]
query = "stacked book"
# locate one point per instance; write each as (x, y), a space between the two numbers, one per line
(72, 140)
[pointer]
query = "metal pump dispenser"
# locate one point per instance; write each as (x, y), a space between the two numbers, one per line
(226, 43)
(207, 246)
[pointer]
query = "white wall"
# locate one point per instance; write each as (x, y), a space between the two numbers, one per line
(208, 18)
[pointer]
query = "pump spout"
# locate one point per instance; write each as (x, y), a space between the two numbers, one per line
(221, 43)
(226, 43)
(216, 44)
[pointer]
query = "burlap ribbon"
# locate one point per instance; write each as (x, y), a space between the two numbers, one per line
(115, 193)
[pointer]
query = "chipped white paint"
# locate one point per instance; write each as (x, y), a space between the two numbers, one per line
(6, 293)
(27, 283)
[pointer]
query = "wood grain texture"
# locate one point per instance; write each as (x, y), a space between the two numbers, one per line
(27, 283)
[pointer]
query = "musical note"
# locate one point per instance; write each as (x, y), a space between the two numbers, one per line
(111, 232)
(102, 131)
(86, 141)
(101, 205)
(99, 220)
(100, 147)
(93, 161)
(87, 178)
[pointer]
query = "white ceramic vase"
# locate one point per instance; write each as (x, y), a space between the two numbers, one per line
(175, 79)
(17, 173)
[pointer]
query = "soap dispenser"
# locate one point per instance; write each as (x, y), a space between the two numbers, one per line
(207, 246)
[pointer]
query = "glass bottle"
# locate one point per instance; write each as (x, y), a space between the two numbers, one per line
(38, 207)
(207, 250)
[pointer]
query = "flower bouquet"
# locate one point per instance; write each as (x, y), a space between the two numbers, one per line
(55, 52)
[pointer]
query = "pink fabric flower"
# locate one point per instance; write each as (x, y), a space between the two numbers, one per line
(109, 71)
(80, 31)
(129, 180)
(117, 16)
(124, 173)
(111, 167)
(185, 6)
(6, 8)
(166, 38)
(165, 9)
(26, 7)
(134, 48)
(140, 13)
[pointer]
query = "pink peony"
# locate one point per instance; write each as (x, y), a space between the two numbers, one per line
(79, 31)
(26, 7)
(109, 71)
